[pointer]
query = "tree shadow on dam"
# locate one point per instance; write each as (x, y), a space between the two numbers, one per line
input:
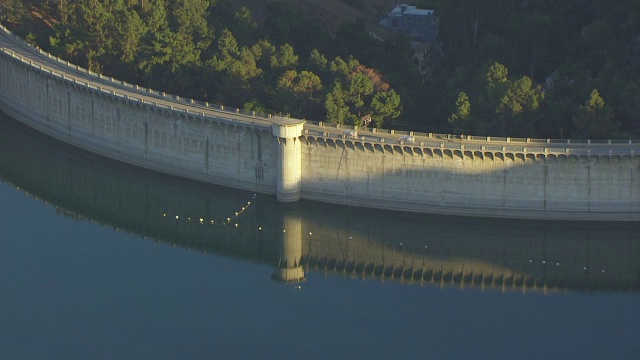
(295, 239)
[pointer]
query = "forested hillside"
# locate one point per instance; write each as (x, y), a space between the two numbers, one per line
(540, 68)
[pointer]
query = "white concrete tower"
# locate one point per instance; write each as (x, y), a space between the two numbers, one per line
(288, 132)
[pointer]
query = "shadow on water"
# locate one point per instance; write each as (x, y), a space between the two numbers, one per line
(306, 236)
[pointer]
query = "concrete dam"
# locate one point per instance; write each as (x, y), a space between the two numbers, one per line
(295, 240)
(297, 159)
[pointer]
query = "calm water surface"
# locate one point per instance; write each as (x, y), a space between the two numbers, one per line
(103, 261)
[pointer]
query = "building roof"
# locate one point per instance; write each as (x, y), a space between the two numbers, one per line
(409, 10)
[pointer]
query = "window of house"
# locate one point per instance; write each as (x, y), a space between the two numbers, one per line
(421, 19)
(407, 31)
(408, 19)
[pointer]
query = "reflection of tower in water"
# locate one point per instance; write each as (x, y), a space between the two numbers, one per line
(289, 245)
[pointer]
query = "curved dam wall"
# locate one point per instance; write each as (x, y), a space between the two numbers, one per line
(480, 183)
(516, 255)
(213, 150)
(296, 159)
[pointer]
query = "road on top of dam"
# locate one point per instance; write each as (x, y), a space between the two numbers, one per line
(12, 44)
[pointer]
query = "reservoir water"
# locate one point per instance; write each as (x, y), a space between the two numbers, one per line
(100, 260)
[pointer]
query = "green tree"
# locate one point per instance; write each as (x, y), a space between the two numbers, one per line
(517, 107)
(308, 85)
(335, 104)
(463, 110)
(339, 67)
(189, 19)
(520, 96)
(317, 61)
(284, 58)
(385, 105)
(360, 87)
(298, 92)
(130, 29)
(237, 67)
(155, 16)
(244, 27)
(594, 119)
(496, 75)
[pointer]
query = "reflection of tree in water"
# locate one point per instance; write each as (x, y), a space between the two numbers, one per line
(304, 236)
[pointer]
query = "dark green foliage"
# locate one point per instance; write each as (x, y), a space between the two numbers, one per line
(500, 67)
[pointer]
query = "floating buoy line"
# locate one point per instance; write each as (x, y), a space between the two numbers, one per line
(204, 221)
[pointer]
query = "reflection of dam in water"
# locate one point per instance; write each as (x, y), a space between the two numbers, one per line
(301, 237)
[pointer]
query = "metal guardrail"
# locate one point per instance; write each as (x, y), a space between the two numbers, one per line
(141, 100)
(137, 88)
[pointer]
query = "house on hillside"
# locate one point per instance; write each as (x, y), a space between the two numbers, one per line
(419, 24)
